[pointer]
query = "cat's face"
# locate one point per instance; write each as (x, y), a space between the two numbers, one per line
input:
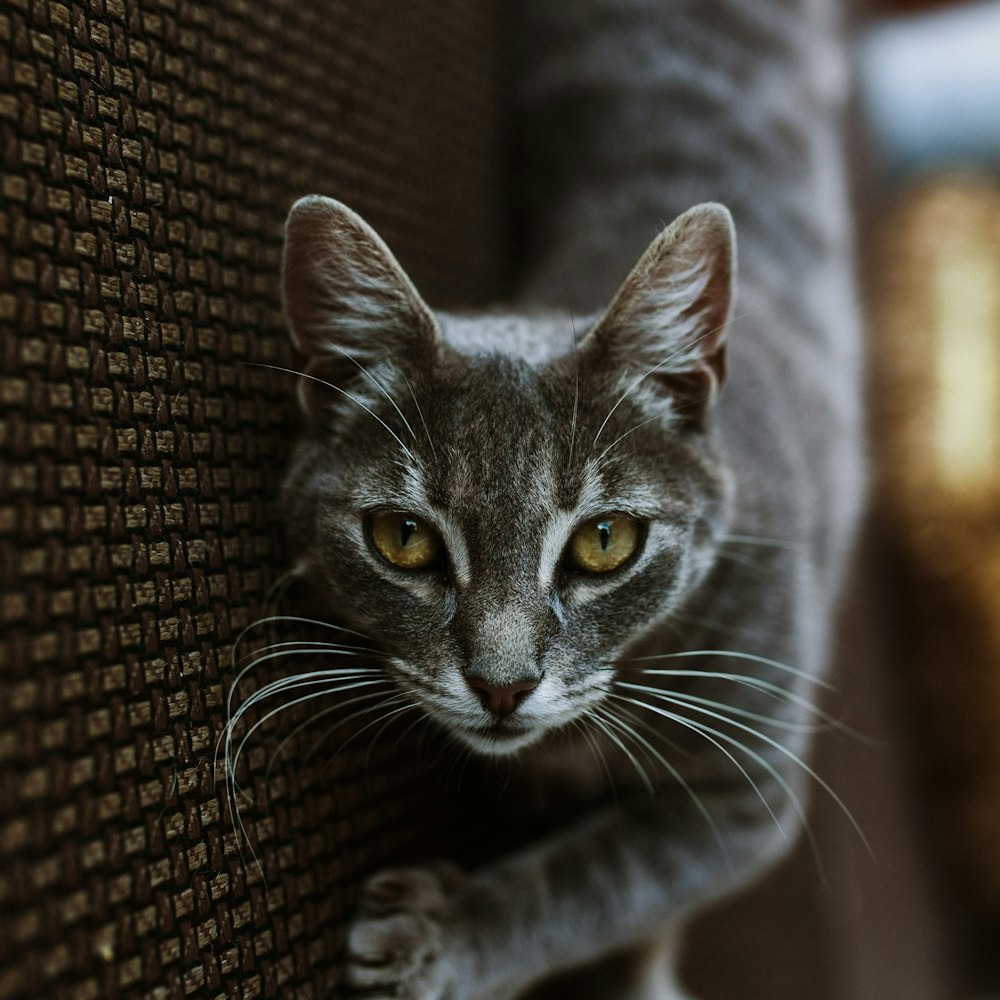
(503, 529)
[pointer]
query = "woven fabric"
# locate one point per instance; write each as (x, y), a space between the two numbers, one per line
(149, 154)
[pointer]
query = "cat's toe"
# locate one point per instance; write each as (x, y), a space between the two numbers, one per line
(416, 890)
(391, 949)
(396, 945)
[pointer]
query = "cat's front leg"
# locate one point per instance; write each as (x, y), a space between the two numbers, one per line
(620, 878)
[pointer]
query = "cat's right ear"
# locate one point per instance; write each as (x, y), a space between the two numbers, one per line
(671, 315)
(350, 306)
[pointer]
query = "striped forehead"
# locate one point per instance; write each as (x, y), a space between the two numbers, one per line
(519, 476)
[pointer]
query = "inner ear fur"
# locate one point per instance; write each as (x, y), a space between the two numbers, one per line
(349, 304)
(671, 314)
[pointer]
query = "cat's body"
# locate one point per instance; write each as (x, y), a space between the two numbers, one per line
(507, 444)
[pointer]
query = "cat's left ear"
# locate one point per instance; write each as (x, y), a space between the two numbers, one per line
(347, 300)
(670, 317)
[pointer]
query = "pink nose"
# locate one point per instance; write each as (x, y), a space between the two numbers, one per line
(501, 699)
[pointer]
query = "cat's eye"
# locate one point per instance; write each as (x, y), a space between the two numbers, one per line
(405, 540)
(604, 543)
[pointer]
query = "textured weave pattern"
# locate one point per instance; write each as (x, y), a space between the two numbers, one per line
(149, 154)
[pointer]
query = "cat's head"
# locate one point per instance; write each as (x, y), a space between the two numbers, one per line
(504, 527)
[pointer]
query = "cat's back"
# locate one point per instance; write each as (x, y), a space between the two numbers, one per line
(631, 111)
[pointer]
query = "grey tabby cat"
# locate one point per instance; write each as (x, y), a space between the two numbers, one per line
(572, 545)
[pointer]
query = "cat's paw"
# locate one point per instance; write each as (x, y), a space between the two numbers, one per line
(396, 945)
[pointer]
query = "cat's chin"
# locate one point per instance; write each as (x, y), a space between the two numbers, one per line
(497, 742)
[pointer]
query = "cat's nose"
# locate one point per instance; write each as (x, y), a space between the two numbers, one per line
(501, 699)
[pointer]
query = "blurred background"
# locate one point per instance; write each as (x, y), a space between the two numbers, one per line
(928, 101)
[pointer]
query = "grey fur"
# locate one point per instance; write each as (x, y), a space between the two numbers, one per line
(507, 430)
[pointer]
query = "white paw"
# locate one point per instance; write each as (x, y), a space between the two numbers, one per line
(396, 944)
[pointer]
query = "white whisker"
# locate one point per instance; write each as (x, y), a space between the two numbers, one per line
(312, 720)
(343, 392)
(631, 430)
(735, 655)
(308, 651)
(409, 707)
(775, 691)
(378, 385)
(388, 698)
(791, 727)
(612, 719)
(773, 543)
(595, 749)
(235, 758)
(782, 749)
(712, 736)
(576, 395)
(420, 413)
(625, 750)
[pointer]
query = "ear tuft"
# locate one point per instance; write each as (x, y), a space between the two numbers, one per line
(672, 312)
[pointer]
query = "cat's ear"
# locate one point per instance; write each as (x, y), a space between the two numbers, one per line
(670, 316)
(350, 306)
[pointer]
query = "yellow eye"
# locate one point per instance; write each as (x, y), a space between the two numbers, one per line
(405, 540)
(604, 543)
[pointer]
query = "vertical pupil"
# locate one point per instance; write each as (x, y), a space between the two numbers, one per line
(604, 530)
(409, 526)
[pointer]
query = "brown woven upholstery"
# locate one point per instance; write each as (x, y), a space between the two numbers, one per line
(150, 152)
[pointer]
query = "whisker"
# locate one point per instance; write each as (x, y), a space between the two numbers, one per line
(307, 679)
(774, 543)
(275, 687)
(312, 720)
(233, 790)
(235, 758)
(306, 645)
(735, 655)
(402, 736)
(610, 717)
(378, 385)
(595, 749)
(631, 430)
(625, 750)
(343, 392)
(310, 678)
(396, 711)
(709, 734)
(296, 647)
(794, 758)
(310, 651)
(709, 623)
(576, 394)
(300, 620)
(271, 619)
(653, 731)
(388, 698)
(775, 691)
(382, 729)
(280, 584)
(420, 413)
(745, 561)
(791, 727)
